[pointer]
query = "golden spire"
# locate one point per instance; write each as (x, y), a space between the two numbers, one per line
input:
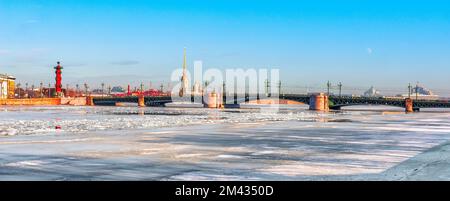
(184, 79)
(184, 59)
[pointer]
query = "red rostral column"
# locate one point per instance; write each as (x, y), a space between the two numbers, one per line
(58, 85)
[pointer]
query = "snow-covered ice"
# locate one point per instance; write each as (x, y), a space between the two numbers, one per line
(130, 143)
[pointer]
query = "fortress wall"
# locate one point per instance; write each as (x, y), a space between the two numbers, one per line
(31, 101)
(44, 101)
(275, 101)
(78, 101)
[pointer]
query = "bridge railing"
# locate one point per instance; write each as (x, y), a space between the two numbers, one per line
(334, 100)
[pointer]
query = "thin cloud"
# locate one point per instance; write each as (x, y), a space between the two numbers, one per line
(39, 50)
(369, 50)
(125, 63)
(74, 64)
(31, 55)
(4, 52)
(27, 58)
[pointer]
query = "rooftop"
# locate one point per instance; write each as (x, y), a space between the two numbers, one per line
(5, 76)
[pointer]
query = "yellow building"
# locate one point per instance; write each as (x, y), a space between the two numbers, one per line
(7, 86)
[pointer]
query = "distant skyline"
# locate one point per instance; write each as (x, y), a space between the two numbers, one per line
(386, 44)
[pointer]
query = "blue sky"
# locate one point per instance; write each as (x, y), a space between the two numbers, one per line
(360, 43)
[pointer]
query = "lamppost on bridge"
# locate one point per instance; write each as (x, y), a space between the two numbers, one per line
(267, 87)
(18, 87)
(328, 88)
(409, 90)
(417, 91)
(340, 89)
(103, 86)
(26, 89)
(78, 89)
(279, 87)
(32, 90)
(86, 89)
(109, 90)
(67, 89)
(224, 89)
(41, 86)
(142, 88)
(162, 88)
(49, 90)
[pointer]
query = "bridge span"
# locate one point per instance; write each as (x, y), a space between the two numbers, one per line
(319, 101)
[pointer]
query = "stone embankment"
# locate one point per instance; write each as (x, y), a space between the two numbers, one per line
(44, 101)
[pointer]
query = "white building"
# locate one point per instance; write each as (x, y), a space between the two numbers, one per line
(7, 86)
(420, 93)
(372, 92)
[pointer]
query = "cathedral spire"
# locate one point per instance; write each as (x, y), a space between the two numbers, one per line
(184, 78)
(184, 60)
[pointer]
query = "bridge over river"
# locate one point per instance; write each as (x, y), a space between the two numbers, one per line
(316, 101)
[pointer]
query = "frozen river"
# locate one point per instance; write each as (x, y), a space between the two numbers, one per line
(130, 143)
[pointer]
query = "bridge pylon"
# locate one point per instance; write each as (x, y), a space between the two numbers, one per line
(319, 102)
(409, 105)
(89, 101)
(141, 101)
(214, 100)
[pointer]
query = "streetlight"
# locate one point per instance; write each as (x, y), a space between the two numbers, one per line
(340, 89)
(26, 89)
(18, 87)
(417, 91)
(279, 87)
(328, 87)
(32, 90)
(224, 89)
(266, 82)
(49, 89)
(67, 89)
(409, 90)
(40, 89)
(86, 89)
(78, 89)
(103, 86)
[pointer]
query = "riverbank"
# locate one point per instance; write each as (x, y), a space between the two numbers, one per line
(78, 101)
(111, 143)
(433, 164)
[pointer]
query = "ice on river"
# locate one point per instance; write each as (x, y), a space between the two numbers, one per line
(130, 143)
(43, 120)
